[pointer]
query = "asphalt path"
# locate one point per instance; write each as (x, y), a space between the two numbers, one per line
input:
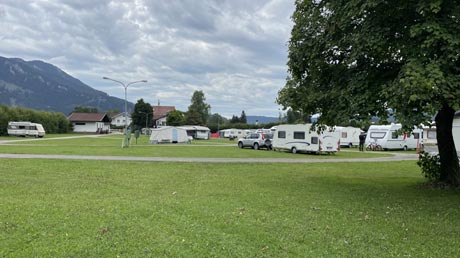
(396, 157)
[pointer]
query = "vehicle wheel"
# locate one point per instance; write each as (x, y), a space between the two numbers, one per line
(256, 146)
(350, 145)
(405, 148)
(240, 145)
(294, 150)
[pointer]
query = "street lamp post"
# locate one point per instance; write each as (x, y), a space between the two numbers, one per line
(125, 86)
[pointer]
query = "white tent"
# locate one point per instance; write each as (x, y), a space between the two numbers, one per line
(168, 134)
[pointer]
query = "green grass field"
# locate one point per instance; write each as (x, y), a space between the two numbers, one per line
(81, 208)
(51, 208)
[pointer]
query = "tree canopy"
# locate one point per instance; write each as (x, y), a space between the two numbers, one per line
(198, 111)
(175, 118)
(354, 59)
(143, 113)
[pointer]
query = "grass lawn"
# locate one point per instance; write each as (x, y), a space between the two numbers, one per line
(111, 145)
(52, 208)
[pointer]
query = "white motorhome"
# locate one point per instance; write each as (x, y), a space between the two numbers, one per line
(299, 138)
(349, 136)
(25, 129)
(389, 137)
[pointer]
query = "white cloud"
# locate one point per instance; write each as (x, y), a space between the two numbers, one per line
(233, 50)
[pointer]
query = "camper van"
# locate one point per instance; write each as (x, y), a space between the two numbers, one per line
(25, 129)
(299, 138)
(389, 137)
(349, 136)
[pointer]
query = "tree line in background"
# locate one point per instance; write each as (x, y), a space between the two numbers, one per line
(53, 122)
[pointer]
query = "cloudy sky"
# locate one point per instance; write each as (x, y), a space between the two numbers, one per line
(235, 51)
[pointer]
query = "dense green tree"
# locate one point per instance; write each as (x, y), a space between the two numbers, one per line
(53, 122)
(175, 118)
(217, 119)
(198, 111)
(351, 60)
(296, 117)
(81, 109)
(234, 120)
(243, 118)
(143, 113)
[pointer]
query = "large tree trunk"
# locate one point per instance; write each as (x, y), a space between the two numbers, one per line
(450, 169)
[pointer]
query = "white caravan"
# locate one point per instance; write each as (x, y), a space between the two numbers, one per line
(299, 138)
(26, 129)
(456, 131)
(349, 136)
(389, 137)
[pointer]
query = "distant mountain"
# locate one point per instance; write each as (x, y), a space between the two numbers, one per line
(42, 86)
(261, 119)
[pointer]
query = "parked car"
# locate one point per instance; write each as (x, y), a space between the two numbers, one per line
(256, 141)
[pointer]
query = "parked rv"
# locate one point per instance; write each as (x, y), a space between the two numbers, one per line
(25, 129)
(390, 137)
(349, 136)
(456, 131)
(299, 138)
(197, 132)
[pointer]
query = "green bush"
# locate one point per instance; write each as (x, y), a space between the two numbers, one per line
(430, 165)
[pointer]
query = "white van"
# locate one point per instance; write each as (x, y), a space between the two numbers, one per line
(299, 138)
(349, 136)
(26, 129)
(390, 138)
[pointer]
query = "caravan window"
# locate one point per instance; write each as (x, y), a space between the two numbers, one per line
(79, 123)
(282, 134)
(314, 140)
(431, 135)
(394, 135)
(344, 134)
(299, 135)
(378, 135)
(416, 135)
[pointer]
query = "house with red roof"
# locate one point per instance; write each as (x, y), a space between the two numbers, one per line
(90, 122)
(160, 113)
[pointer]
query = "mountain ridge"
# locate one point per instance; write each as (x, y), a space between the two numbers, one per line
(43, 86)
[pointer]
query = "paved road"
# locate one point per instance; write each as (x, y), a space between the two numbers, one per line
(396, 157)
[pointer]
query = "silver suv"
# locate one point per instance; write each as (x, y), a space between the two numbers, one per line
(256, 141)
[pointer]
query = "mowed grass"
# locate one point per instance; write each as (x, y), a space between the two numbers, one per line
(51, 208)
(110, 145)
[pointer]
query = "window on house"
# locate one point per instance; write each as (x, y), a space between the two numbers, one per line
(80, 123)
